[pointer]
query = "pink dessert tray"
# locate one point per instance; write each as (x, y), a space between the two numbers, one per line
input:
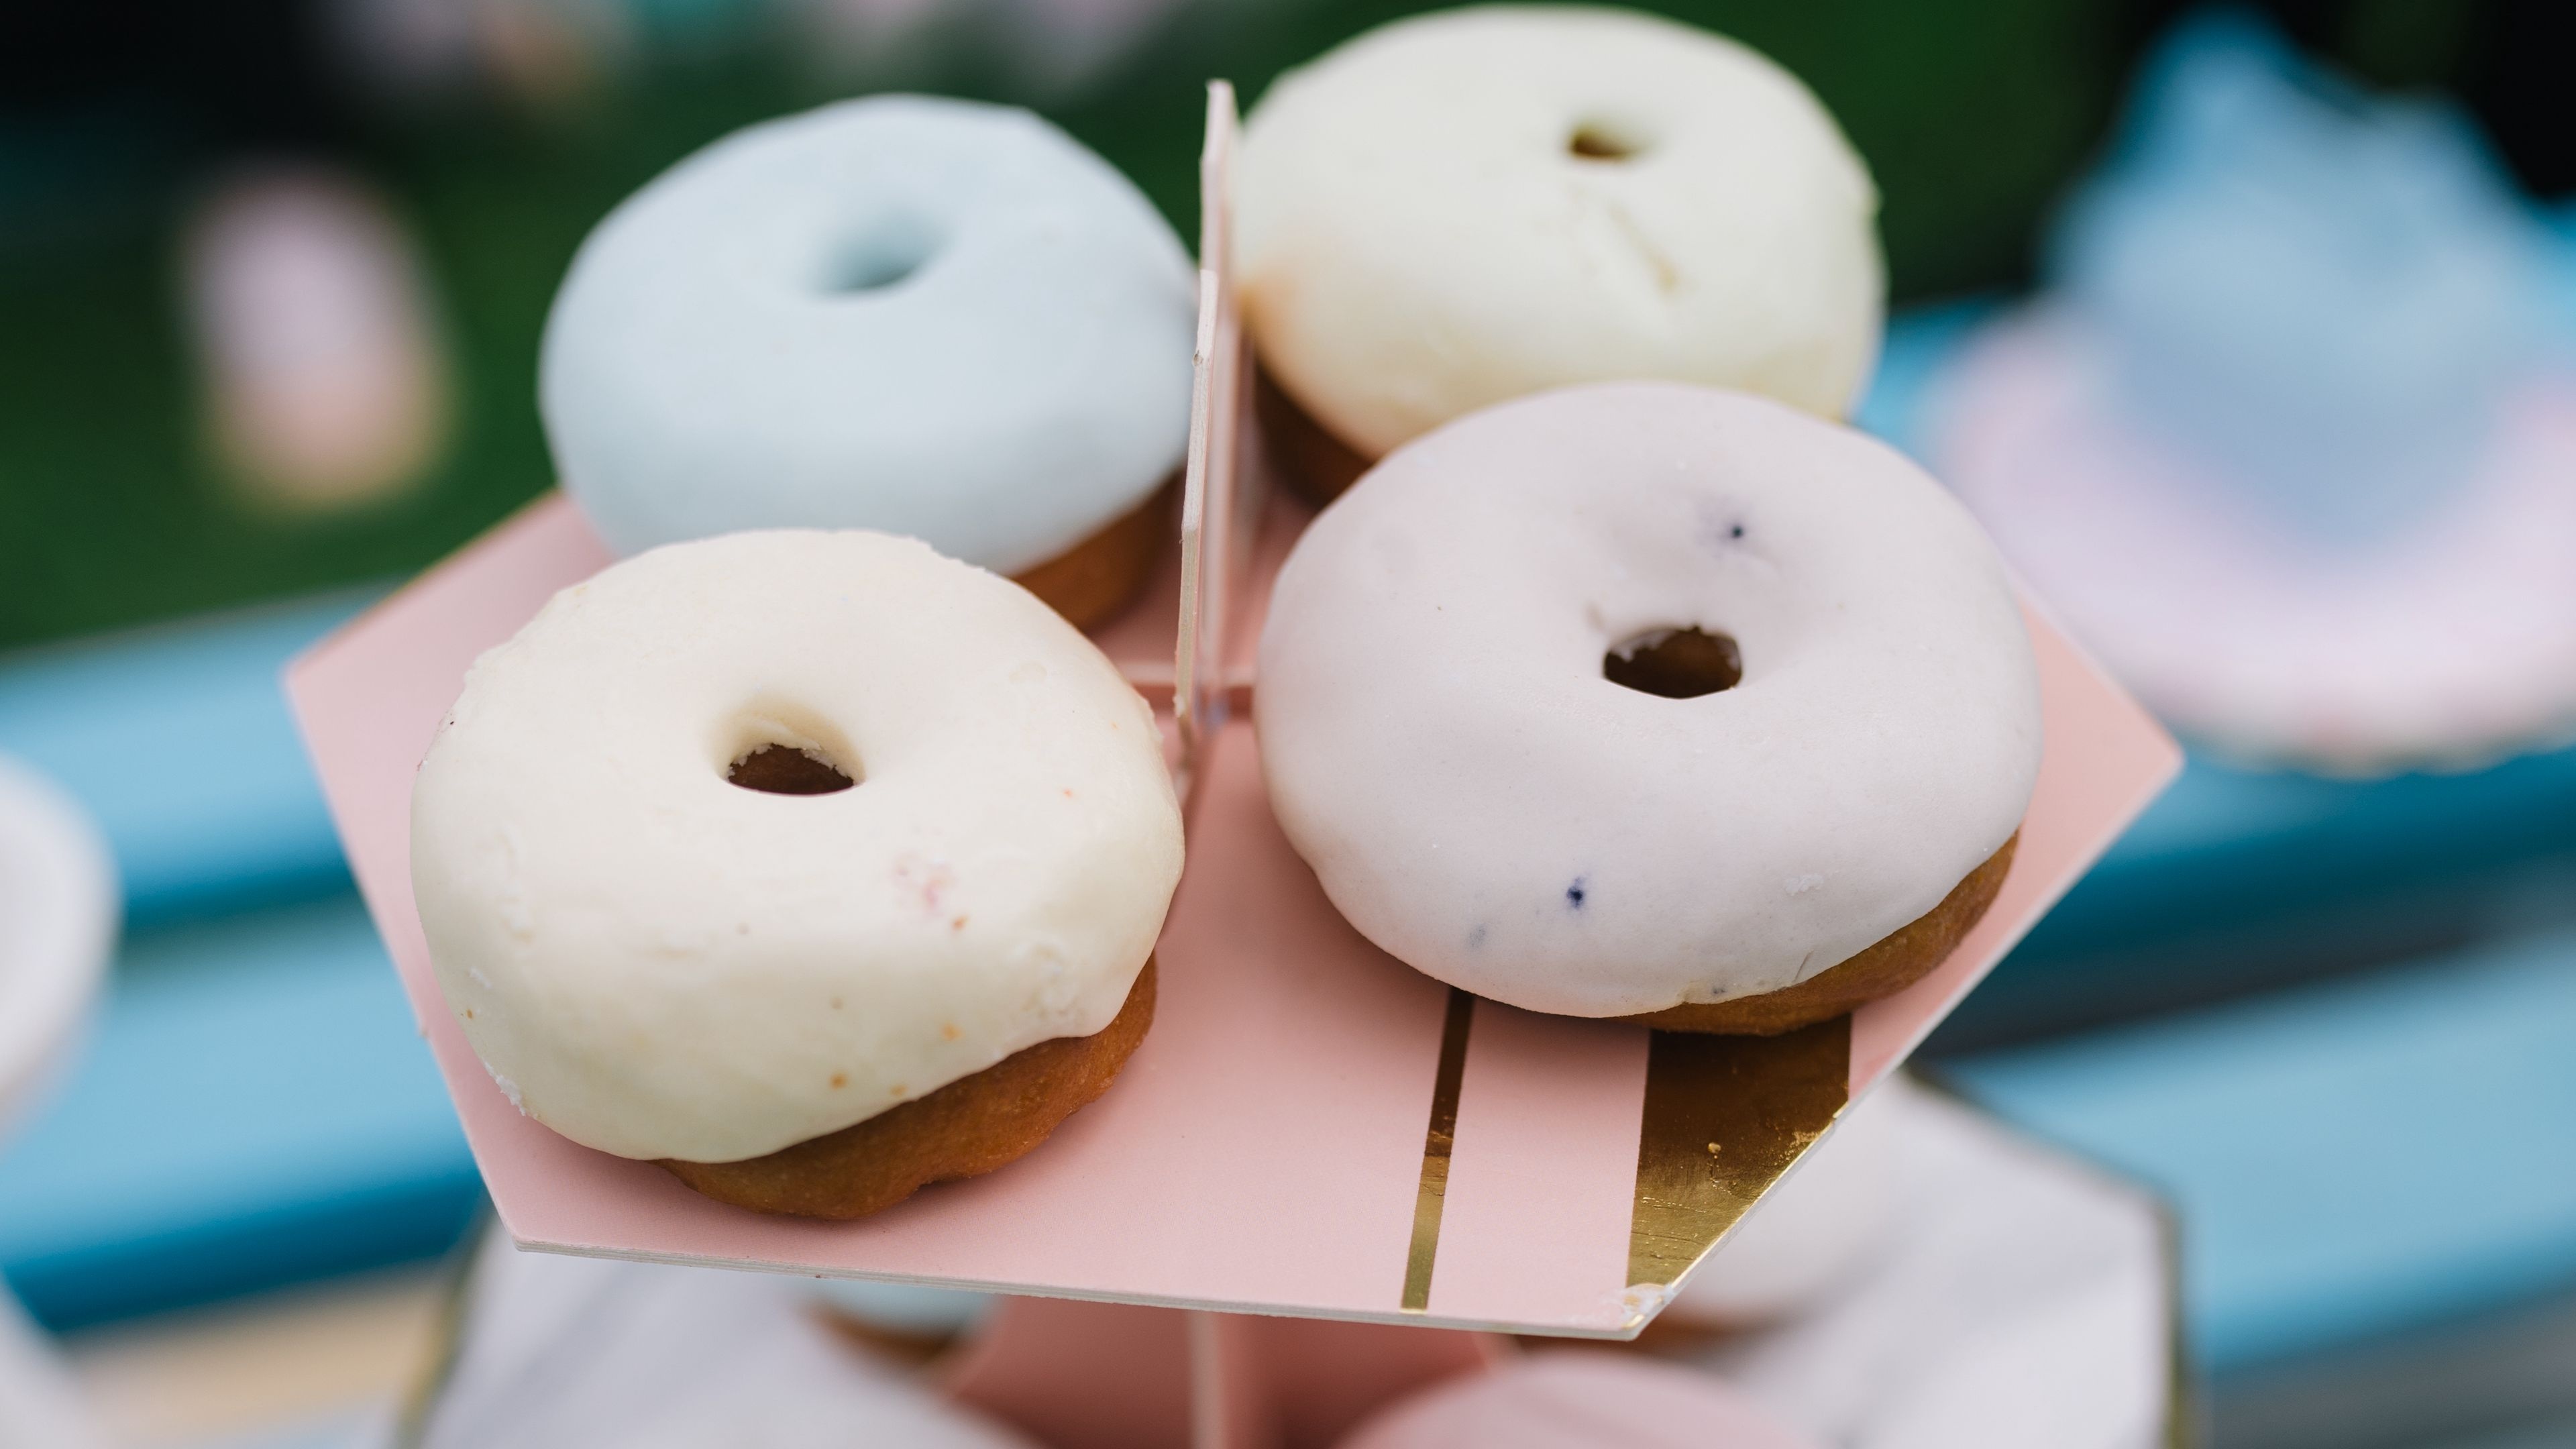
(1311, 1129)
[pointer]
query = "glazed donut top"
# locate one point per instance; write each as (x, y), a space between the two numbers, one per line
(1564, 1397)
(1468, 206)
(1443, 747)
(657, 962)
(922, 316)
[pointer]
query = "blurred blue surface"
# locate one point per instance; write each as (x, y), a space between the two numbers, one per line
(179, 741)
(256, 1107)
(2350, 1160)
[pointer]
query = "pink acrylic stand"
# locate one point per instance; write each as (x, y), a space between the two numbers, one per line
(1269, 1148)
(1110, 1376)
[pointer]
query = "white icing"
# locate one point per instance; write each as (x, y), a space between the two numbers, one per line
(1415, 239)
(1442, 748)
(707, 972)
(712, 364)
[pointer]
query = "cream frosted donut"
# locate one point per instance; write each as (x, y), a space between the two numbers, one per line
(658, 963)
(1443, 747)
(1468, 206)
(1564, 1398)
(923, 316)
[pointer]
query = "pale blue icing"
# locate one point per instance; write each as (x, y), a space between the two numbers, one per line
(925, 316)
(2321, 291)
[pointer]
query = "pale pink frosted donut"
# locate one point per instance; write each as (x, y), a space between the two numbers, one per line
(1567, 1399)
(1444, 746)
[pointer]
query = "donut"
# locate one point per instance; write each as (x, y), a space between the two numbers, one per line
(812, 865)
(1566, 1397)
(1651, 701)
(1455, 210)
(920, 316)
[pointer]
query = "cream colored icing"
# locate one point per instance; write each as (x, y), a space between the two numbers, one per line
(658, 963)
(1442, 747)
(1416, 239)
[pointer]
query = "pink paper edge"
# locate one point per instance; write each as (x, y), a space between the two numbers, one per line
(2127, 756)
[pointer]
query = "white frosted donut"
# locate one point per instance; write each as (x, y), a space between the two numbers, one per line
(1479, 800)
(922, 316)
(659, 963)
(1419, 232)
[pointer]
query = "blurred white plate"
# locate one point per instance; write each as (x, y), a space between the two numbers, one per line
(58, 909)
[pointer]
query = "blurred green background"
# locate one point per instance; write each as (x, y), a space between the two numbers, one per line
(113, 118)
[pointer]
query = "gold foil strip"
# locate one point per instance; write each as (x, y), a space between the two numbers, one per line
(1725, 1116)
(1433, 1193)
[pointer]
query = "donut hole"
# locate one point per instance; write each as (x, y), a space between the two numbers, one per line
(884, 253)
(1675, 663)
(788, 770)
(1600, 140)
(783, 746)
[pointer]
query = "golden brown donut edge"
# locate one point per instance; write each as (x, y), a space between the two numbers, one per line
(1896, 961)
(967, 1128)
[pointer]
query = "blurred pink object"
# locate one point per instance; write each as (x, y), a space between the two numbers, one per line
(1107, 1376)
(321, 372)
(1574, 1400)
(2449, 642)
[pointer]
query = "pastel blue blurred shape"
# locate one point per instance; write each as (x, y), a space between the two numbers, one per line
(178, 740)
(255, 1107)
(2227, 843)
(2321, 293)
(2350, 1161)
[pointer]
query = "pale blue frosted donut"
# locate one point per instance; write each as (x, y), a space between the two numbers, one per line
(903, 313)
